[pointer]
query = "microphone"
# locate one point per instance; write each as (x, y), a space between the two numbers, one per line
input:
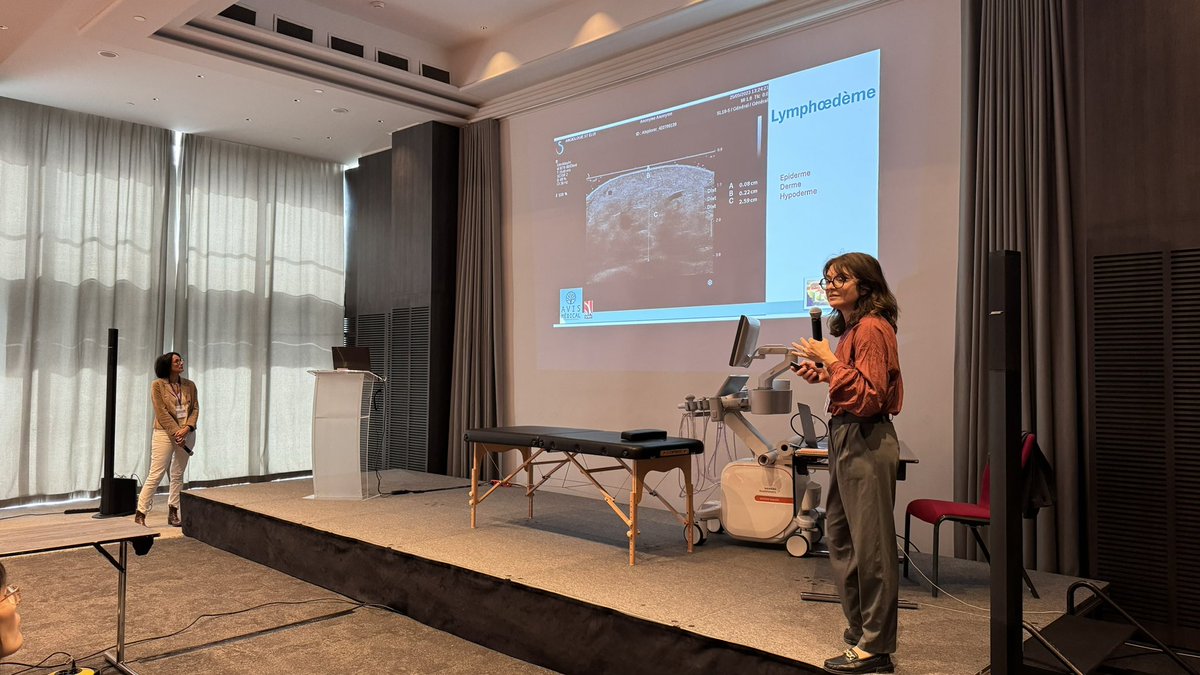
(815, 314)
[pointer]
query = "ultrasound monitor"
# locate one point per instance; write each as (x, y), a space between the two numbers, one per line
(351, 358)
(745, 342)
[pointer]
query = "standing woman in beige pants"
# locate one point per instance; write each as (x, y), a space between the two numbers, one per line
(176, 407)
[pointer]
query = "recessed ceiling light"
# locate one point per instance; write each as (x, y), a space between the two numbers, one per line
(129, 103)
(107, 54)
(200, 76)
(3, 27)
(247, 119)
(341, 110)
(483, 28)
(139, 18)
(329, 138)
(378, 4)
(295, 100)
(318, 91)
(154, 99)
(380, 121)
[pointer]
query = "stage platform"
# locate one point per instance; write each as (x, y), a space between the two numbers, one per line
(558, 590)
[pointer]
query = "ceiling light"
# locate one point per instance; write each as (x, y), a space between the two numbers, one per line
(201, 76)
(318, 91)
(378, 4)
(129, 103)
(154, 99)
(247, 119)
(341, 110)
(380, 121)
(139, 18)
(329, 138)
(483, 28)
(107, 54)
(295, 100)
(3, 27)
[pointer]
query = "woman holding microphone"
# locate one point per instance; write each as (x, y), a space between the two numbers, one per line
(865, 391)
(176, 408)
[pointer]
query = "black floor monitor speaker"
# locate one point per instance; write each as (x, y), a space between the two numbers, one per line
(118, 496)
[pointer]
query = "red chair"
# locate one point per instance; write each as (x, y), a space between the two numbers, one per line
(974, 516)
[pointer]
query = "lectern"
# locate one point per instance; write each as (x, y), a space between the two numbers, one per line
(340, 419)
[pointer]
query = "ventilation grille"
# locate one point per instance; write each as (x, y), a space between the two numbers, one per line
(398, 62)
(408, 401)
(285, 27)
(345, 46)
(239, 13)
(1129, 394)
(370, 330)
(435, 73)
(1185, 413)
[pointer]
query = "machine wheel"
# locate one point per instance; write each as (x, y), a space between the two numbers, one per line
(714, 525)
(798, 545)
(699, 534)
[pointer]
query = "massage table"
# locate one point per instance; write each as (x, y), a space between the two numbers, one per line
(637, 457)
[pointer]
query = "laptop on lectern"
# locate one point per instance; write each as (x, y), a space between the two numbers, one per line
(351, 358)
(806, 425)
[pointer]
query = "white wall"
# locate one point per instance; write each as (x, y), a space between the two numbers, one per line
(919, 168)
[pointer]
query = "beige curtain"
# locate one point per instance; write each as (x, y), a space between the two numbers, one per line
(261, 302)
(83, 213)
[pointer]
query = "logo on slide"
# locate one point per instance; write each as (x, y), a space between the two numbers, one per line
(571, 304)
(587, 309)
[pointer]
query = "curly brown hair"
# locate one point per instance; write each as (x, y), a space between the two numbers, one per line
(874, 296)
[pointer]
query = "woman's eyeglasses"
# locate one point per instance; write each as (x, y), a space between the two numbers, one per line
(836, 282)
(14, 593)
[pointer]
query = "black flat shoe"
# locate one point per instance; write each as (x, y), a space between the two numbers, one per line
(851, 663)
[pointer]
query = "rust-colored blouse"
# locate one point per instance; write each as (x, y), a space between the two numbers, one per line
(866, 380)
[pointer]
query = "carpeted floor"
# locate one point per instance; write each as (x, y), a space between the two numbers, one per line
(189, 591)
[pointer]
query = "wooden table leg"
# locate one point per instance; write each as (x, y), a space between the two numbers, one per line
(635, 496)
(476, 460)
(528, 479)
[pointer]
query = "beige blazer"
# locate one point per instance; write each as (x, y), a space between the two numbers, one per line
(163, 400)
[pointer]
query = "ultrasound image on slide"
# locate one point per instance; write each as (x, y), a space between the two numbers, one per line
(650, 224)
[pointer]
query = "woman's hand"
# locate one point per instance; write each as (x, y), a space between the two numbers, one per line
(810, 372)
(181, 434)
(815, 350)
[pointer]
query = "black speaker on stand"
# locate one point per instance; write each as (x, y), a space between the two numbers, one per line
(1004, 456)
(118, 496)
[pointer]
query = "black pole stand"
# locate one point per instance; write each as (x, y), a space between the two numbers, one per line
(1004, 438)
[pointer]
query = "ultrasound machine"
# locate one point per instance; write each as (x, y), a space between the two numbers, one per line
(768, 498)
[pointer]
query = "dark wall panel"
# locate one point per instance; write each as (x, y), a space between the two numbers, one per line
(1140, 83)
(1136, 191)
(372, 237)
(403, 248)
